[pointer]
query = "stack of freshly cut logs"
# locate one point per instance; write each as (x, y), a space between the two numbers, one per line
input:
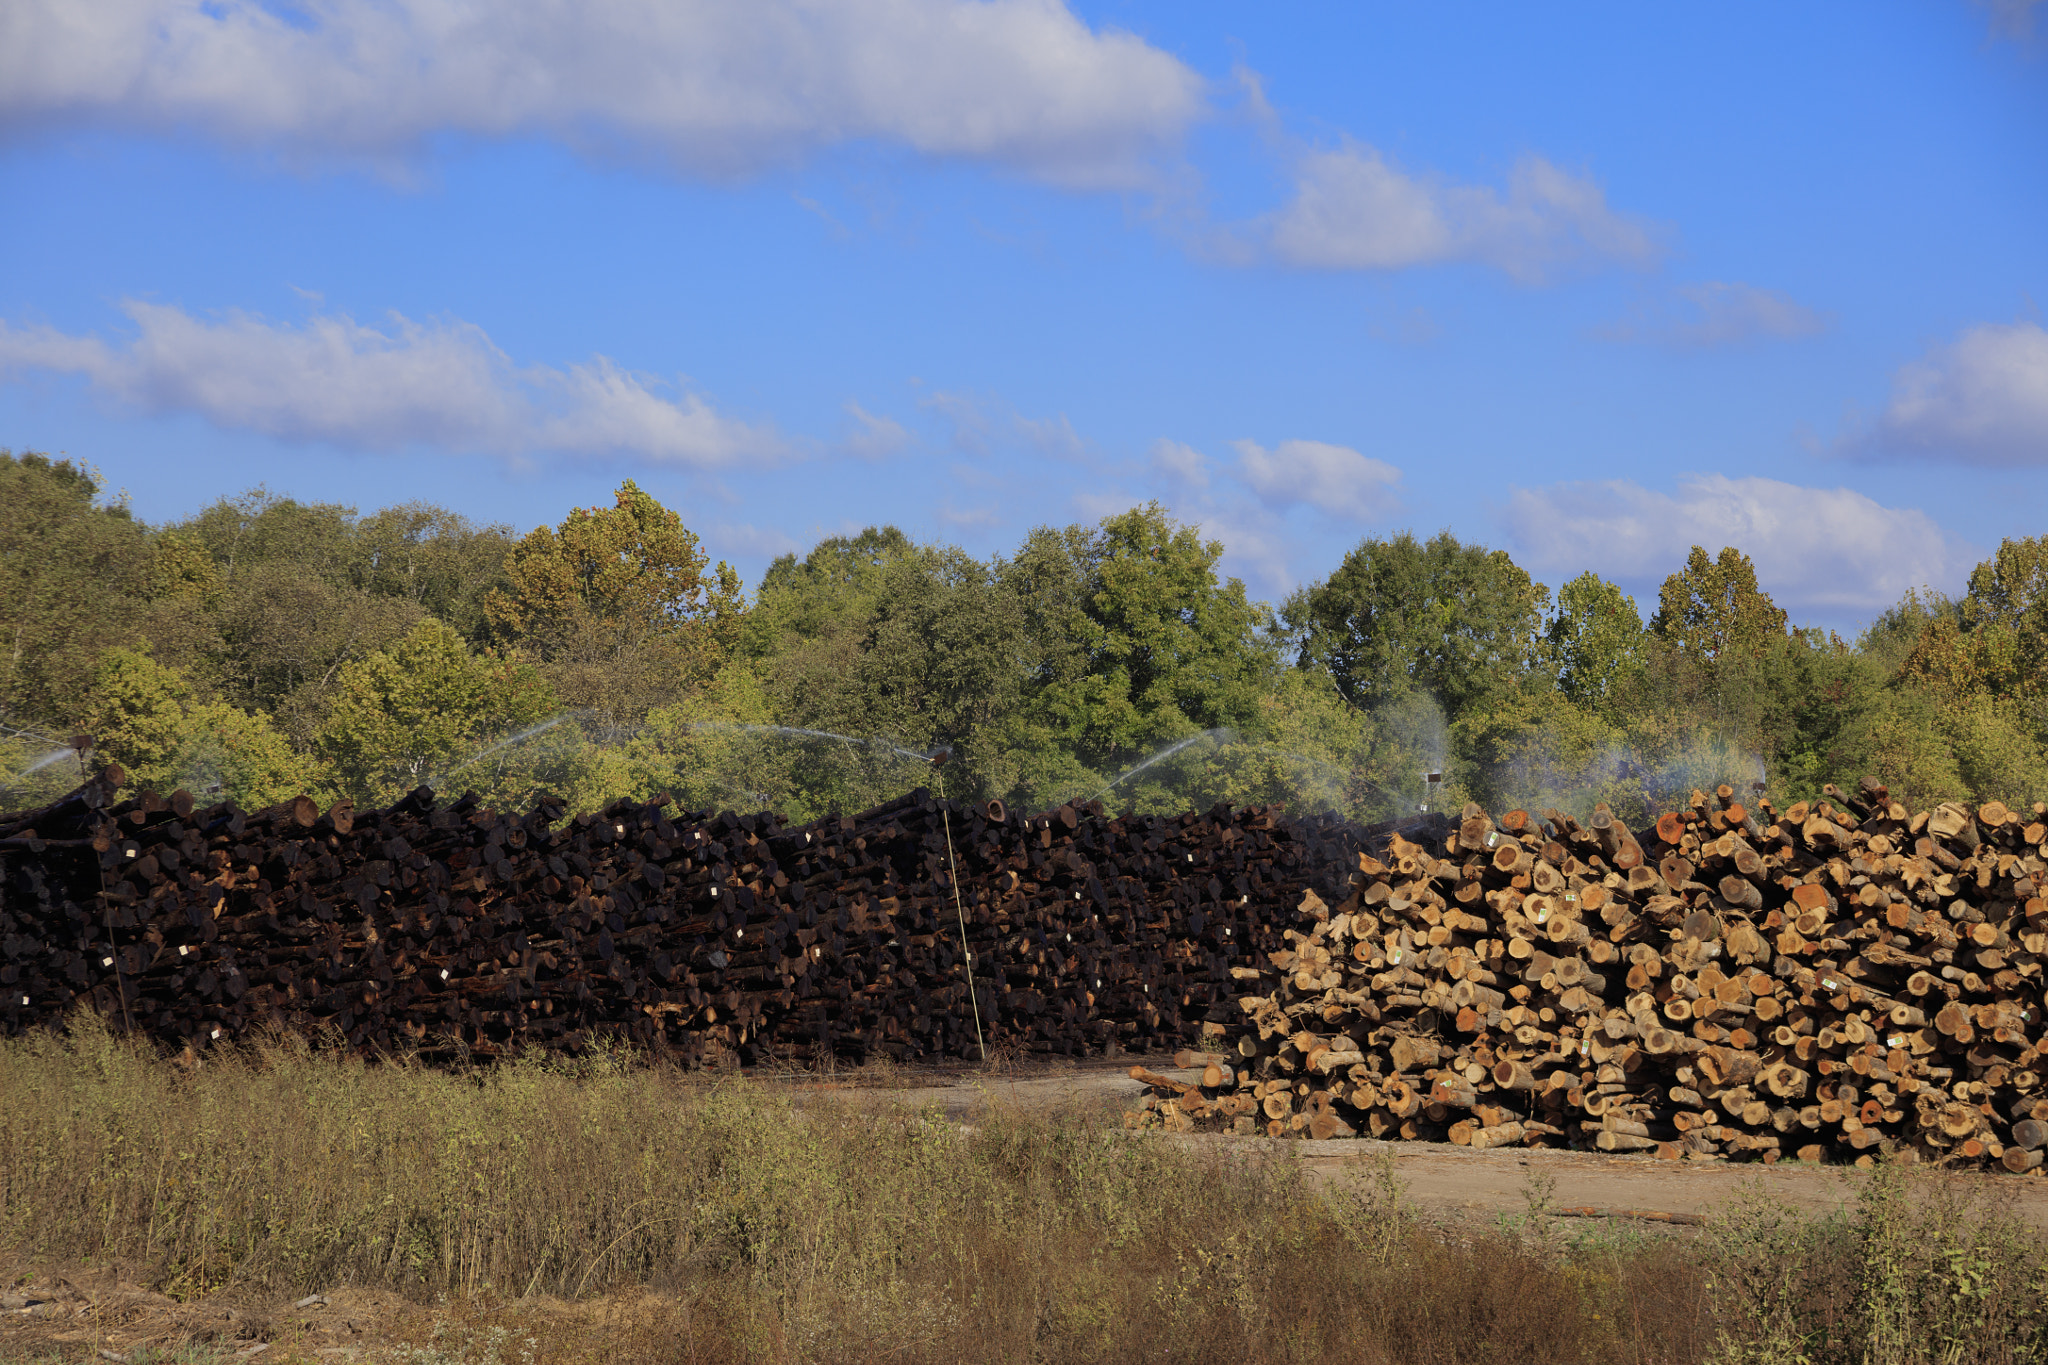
(1829, 981)
(708, 937)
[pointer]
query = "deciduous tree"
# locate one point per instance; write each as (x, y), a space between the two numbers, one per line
(410, 713)
(1458, 621)
(1713, 610)
(619, 606)
(145, 716)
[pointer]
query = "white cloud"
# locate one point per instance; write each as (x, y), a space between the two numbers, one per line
(1257, 547)
(1182, 463)
(1094, 503)
(1052, 436)
(1353, 210)
(1819, 549)
(965, 412)
(1334, 478)
(1721, 313)
(712, 86)
(1982, 399)
(980, 424)
(334, 380)
(875, 437)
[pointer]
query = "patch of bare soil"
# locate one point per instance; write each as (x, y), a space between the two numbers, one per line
(1441, 1178)
(82, 1314)
(105, 1313)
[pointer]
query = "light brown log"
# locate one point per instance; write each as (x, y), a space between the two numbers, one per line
(1622, 1142)
(1501, 1135)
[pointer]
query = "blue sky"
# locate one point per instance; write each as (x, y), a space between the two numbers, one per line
(1587, 283)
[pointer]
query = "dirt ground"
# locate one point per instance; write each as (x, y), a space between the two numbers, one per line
(1441, 1178)
(73, 1313)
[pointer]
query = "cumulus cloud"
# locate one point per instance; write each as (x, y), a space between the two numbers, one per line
(1257, 547)
(1354, 210)
(1254, 504)
(1981, 399)
(1720, 313)
(1818, 549)
(441, 384)
(1336, 479)
(713, 86)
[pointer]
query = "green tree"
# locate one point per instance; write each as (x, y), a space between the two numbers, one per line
(1981, 665)
(837, 582)
(1460, 622)
(896, 645)
(257, 528)
(1998, 754)
(414, 712)
(1537, 748)
(1712, 609)
(2011, 589)
(75, 578)
(618, 606)
(1136, 639)
(286, 634)
(144, 716)
(441, 562)
(1597, 645)
(1900, 740)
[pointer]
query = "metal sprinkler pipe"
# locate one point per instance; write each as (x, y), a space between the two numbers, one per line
(953, 875)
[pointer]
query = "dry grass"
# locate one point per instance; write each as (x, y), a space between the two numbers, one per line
(764, 1233)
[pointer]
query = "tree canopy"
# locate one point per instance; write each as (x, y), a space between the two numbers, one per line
(265, 646)
(1457, 621)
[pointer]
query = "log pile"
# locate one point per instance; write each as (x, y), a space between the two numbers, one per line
(717, 939)
(1827, 981)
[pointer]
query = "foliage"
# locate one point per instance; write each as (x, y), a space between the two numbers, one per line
(75, 579)
(267, 644)
(1139, 643)
(618, 606)
(1597, 646)
(1459, 622)
(1713, 610)
(411, 713)
(144, 716)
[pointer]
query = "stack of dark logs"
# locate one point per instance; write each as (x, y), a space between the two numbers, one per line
(443, 928)
(1829, 981)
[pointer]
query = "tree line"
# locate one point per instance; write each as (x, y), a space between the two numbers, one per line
(267, 646)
